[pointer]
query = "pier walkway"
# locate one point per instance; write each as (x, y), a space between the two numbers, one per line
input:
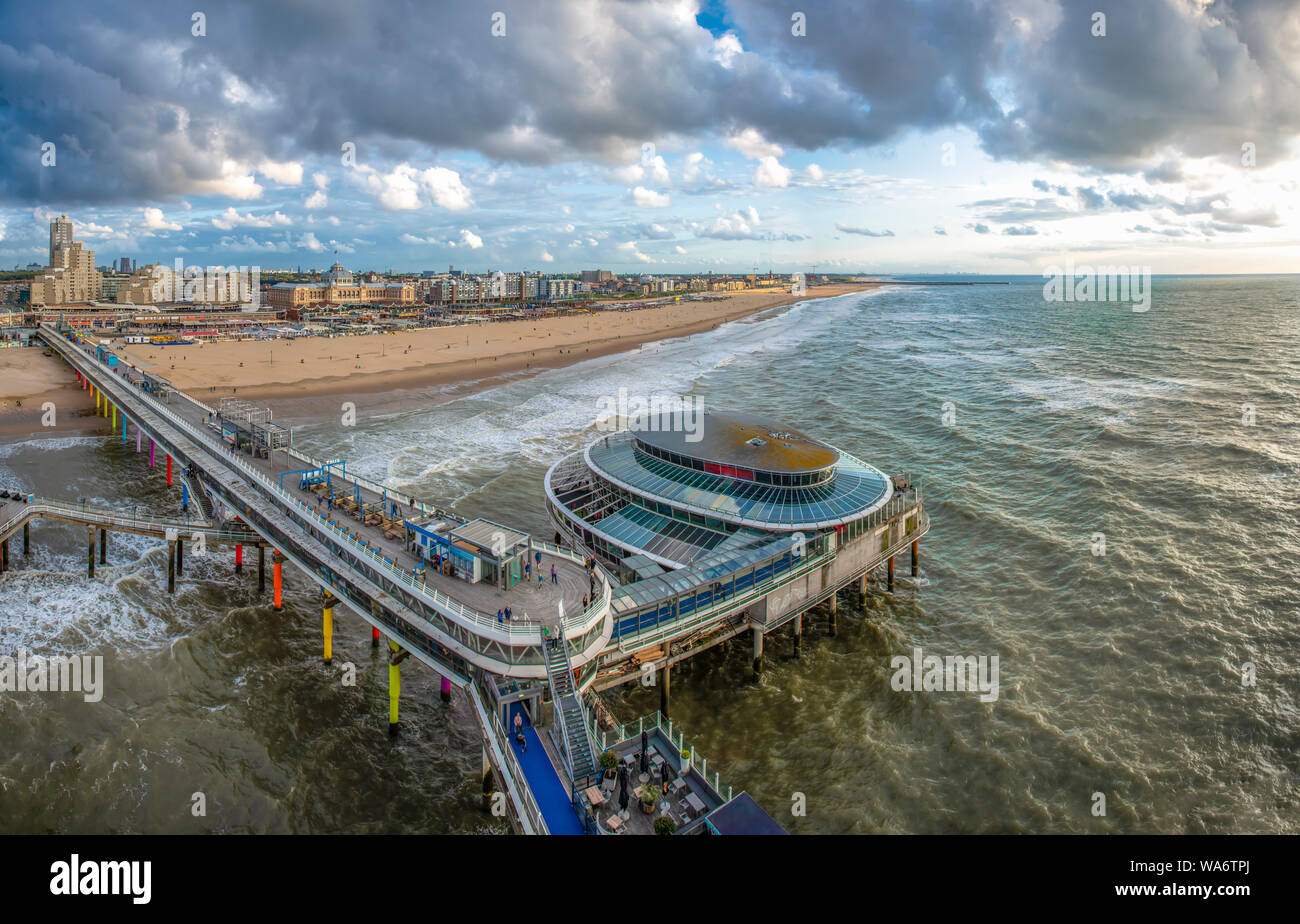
(370, 573)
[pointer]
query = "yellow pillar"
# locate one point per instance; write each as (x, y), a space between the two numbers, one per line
(329, 627)
(394, 686)
(114, 416)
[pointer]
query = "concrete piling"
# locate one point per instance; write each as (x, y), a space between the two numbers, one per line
(916, 556)
(276, 574)
(394, 684)
(171, 566)
(758, 652)
(891, 574)
(664, 681)
(328, 626)
(91, 568)
(103, 546)
(261, 569)
(180, 556)
(27, 538)
(797, 623)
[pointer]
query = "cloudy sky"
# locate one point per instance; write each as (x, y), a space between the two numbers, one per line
(665, 135)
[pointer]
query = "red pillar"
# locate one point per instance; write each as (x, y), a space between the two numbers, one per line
(277, 558)
(239, 558)
(169, 470)
(374, 637)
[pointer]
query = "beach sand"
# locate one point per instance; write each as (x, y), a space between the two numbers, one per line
(28, 379)
(469, 354)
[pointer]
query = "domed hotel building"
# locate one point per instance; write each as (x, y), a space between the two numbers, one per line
(740, 516)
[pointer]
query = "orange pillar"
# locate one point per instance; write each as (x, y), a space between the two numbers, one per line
(277, 558)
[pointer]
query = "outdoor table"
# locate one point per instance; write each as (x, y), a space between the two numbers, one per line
(594, 796)
(695, 803)
(614, 822)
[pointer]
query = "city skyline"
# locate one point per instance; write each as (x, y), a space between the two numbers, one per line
(718, 138)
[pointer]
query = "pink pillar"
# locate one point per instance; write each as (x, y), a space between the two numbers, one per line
(151, 446)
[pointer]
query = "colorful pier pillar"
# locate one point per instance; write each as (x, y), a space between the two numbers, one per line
(124, 428)
(152, 447)
(239, 558)
(169, 475)
(394, 684)
(276, 560)
(329, 626)
(446, 688)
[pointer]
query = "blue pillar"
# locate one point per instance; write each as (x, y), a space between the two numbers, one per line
(185, 496)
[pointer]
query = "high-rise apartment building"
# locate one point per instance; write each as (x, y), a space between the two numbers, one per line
(60, 235)
(71, 275)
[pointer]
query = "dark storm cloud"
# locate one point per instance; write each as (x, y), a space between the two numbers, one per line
(140, 108)
(1163, 75)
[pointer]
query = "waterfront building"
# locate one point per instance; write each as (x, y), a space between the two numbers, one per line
(338, 288)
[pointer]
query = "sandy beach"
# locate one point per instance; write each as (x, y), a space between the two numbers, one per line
(316, 366)
(28, 379)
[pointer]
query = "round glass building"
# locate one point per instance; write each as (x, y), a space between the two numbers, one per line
(676, 496)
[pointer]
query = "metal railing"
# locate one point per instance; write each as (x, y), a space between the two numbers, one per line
(135, 522)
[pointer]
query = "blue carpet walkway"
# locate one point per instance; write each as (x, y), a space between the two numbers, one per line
(551, 796)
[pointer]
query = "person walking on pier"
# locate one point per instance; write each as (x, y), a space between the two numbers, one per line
(500, 616)
(508, 614)
(554, 576)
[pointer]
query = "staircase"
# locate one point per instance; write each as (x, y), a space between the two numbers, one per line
(198, 498)
(570, 716)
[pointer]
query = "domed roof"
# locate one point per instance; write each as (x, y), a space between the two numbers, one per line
(742, 440)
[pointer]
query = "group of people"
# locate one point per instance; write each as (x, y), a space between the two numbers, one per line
(504, 614)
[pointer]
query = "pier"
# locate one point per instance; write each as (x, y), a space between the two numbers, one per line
(631, 586)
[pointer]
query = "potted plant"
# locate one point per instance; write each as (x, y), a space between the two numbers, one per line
(647, 799)
(686, 760)
(665, 825)
(610, 763)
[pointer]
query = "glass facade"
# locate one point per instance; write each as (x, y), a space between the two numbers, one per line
(856, 490)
